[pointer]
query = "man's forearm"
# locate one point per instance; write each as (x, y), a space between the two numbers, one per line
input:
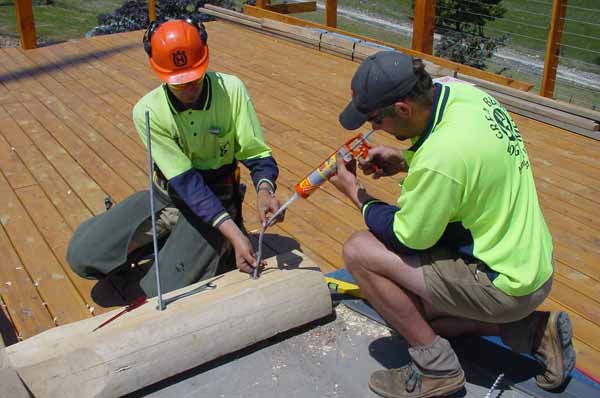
(359, 196)
(231, 231)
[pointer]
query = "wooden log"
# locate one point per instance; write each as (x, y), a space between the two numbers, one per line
(311, 37)
(546, 112)
(337, 44)
(11, 384)
(227, 11)
(262, 13)
(293, 8)
(232, 18)
(145, 346)
(553, 122)
(535, 98)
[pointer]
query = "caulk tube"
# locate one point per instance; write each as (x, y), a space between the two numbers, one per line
(321, 174)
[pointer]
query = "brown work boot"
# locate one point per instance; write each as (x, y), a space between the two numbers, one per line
(409, 382)
(553, 348)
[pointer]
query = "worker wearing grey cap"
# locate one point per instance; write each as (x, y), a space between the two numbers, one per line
(465, 250)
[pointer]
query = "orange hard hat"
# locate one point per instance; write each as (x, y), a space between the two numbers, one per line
(178, 51)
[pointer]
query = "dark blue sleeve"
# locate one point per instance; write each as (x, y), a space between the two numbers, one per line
(379, 217)
(262, 169)
(198, 196)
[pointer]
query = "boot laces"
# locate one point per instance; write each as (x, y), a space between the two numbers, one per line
(411, 377)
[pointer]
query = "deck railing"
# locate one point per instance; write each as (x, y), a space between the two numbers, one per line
(424, 26)
(26, 23)
(422, 38)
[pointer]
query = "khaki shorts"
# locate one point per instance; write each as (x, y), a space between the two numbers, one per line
(462, 287)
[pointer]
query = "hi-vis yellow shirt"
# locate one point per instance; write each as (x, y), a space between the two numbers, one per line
(223, 130)
(470, 175)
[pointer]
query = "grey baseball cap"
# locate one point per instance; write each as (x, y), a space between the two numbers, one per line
(380, 80)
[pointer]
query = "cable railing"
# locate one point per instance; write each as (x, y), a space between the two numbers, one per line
(540, 42)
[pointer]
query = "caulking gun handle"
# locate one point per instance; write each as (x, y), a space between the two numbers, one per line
(364, 153)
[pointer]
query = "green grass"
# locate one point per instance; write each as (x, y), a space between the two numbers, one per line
(527, 22)
(66, 19)
(520, 23)
(62, 20)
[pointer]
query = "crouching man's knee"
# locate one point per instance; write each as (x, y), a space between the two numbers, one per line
(356, 250)
(78, 264)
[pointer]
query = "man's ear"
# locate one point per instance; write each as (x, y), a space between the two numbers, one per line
(404, 109)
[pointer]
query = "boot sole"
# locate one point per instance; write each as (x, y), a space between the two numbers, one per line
(563, 335)
(443, 391)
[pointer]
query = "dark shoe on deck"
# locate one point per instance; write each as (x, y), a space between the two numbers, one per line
(553, 347)
(409, 382)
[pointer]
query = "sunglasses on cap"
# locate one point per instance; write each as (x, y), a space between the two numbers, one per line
(382, 114)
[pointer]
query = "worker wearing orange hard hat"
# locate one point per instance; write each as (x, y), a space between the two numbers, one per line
(202, 125)
(180, 51)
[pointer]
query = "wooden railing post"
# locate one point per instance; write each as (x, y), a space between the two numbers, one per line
(26, 23)
(331, 13)
(423, 26)
(151, 10)
(262, 3)
(557, 23)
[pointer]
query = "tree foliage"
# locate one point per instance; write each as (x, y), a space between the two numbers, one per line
(469, 16)
(461, 24)
(133, 14)
(468, 49)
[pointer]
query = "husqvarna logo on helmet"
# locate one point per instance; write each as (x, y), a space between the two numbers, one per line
(179, 58)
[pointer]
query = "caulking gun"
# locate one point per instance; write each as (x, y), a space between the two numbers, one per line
(356, 147)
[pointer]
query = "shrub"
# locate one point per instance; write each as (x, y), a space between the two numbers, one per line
(468, 49)
(133, 14)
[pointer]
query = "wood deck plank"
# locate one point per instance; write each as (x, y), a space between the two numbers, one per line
(70, 119)
(45, 216)
(74, 92)
(56, 233)
(61, 194)
(23, 302)
(78, 180)
(298, 93)
(66, 142)
(585, 334)
(14, 170)
(581, 213)
(93, 129)
(63, 301)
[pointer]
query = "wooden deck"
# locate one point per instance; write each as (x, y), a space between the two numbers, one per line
(67, 141)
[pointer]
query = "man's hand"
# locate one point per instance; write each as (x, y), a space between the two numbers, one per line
(244, 252)
(345, 179)
(383, 162)
(267, 204)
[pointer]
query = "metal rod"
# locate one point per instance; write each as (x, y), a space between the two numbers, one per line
(210, 285)
(259, 254)
(494, 386)
(267, 224)
(291, 200)
(153, 215)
